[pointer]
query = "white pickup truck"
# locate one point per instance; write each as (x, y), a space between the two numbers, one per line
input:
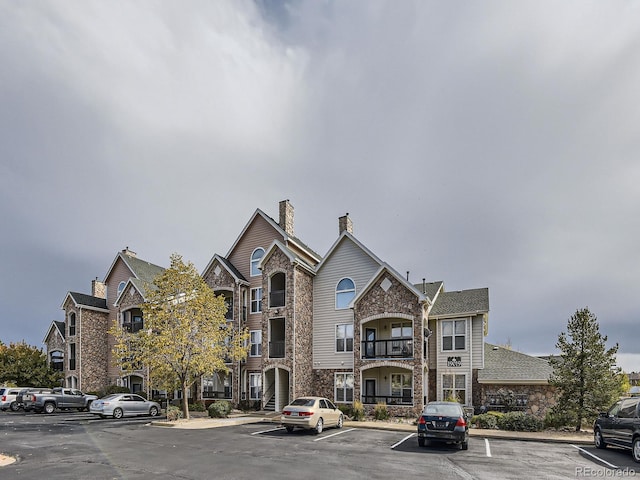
(60, 398)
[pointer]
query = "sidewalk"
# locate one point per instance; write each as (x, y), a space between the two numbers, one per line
(583, 437)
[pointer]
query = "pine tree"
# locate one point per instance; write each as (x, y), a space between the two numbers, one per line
(585, 373)
(185, 332)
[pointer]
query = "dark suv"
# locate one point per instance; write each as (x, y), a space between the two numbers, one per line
(620, 427)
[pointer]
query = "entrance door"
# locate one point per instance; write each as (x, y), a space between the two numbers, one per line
(370, 390)
(370, 337)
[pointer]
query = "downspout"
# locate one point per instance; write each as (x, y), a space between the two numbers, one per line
(293, 315)
(79, 351)
(470, 397)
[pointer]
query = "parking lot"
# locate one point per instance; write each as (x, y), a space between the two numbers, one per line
(79, 445)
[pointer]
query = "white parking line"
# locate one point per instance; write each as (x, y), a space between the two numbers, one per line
(267, 431)
(596, 457)
(403, 440)
(487, 447)
(334, 434)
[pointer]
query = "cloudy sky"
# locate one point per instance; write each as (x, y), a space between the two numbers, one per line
(486, 144)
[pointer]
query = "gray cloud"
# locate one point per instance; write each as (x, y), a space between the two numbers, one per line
(480, 144)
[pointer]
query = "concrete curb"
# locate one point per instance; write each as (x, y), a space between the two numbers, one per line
(5, 460)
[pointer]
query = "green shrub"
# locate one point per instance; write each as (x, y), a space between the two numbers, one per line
(113, 389)
(485, 420)
(346, 409)
(557, 419)
(197, 407)
(248, 405)
(174, 413)
(220, 409)
(520, 422)
(381, 412)
(358, 411)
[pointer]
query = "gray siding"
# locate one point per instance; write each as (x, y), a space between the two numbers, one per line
(347, 260)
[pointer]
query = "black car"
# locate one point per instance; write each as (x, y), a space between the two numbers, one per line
(620, 427)
(443, 422)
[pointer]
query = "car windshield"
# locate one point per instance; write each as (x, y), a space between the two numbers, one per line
(443, 410)
(303, 402)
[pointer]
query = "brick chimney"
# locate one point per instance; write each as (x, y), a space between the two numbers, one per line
(286, 217)
(98, 289)
(345, 223)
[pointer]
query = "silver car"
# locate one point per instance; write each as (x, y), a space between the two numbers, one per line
(120, 405)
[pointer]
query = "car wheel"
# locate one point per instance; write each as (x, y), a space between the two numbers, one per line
(319, 426)
(14, 406)
(420, 442)
(340, 422)
(153, 411)
(598, 440)
(117, 413)
(49, 408)
(636, 449)
(464, 445)
(289, 428)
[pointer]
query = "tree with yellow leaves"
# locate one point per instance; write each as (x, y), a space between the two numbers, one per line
(185, 334)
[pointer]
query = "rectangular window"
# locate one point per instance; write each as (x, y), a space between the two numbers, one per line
(401, 330)
(454, 387)
(72, 356)
(344, 387)
(402, 387)
(255, 386)
(344, 337)
(454, 334)
(255, 341)
(256, 300)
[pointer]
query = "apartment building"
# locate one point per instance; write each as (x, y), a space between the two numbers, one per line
(345, 325)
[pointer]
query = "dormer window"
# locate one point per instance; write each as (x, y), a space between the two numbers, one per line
(256, 256)
(345, 292)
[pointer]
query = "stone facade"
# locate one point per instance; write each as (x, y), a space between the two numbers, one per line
(540, 398)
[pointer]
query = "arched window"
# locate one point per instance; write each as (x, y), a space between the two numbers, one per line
(120, 288)
(72, 323)
(345, 292)
(277, 290)
(255, 260)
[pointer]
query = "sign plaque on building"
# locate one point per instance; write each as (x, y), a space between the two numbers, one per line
(454, 361)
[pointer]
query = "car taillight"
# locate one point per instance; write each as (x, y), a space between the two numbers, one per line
(422, 421)
(4, 398)
(461, 422)
(33, 398)
(286, 412)
(305, 414)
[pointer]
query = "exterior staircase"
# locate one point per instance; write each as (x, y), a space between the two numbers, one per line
(270, 406)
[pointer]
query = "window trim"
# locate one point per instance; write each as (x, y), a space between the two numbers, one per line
(259, 385)
(74, 324)
(454, 389)
(258, 302)
(347, 290)
(254, 262)
(453, 335)
(257, 344)
(121, 286)
(346, 338)
(402, 374)
(344, 389)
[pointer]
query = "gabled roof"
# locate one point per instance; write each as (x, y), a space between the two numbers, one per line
(346, 235)
(57, 327)
(141, 269)
(463, 302)
(141, 286)
(389, 270)
(504, 366)
(227, 265)
(286, 237)
(430, 289)
(81, 300)
(293, 258)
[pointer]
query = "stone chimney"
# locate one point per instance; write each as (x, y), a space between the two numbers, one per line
(345, 223)
(98, 289)
(286, 217)
(128, 252)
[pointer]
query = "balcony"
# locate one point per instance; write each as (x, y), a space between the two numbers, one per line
(391, 348)
(276, 349)
(387, 399)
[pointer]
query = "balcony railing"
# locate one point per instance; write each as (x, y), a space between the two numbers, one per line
(276, 349)
(387, 399)
(226, 393)
(392, 348)
(276, 298)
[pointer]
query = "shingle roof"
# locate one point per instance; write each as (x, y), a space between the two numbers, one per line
(232, 268)
(460, 302)
(142, 269)
(88, 300)
(429, 289)
(502, 365)
(60, 326)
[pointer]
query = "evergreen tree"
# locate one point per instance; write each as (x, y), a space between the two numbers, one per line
(585, 373)
(185, 332)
